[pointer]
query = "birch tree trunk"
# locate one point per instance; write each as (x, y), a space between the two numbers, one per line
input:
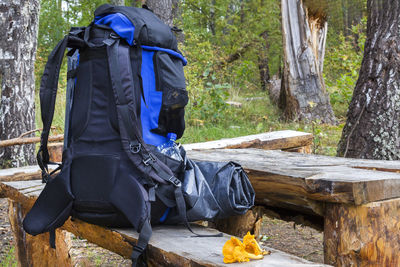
(18, 38)
(303, 94)
(372, 129)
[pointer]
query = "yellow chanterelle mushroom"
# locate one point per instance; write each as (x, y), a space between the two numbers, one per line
(251, 245)
(234, 251)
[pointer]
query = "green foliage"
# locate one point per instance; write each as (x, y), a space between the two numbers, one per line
(209, 103)
(342, 65)
(213, 31)
(9, 259)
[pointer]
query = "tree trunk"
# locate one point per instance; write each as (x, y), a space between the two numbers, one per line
(303, 94)
(167, 11)
(18, 31)
(263, 62)
(117, 2)
(163, 9)
(372, 129)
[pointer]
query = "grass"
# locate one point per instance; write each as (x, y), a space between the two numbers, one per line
(9, 259)
(258, 116)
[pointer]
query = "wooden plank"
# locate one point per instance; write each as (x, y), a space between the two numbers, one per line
(175, 246)
(286, 139)
(189, 251)
(25, 185)
(169, 245)
(293, 178)
(20, 174)
(366, 235)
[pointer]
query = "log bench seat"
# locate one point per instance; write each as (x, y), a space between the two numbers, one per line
(169, 245)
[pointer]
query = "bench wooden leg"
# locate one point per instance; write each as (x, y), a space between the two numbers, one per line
(35, 250)
(365, 235)
(239, 225)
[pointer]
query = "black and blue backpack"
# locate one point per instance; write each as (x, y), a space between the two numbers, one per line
(125, 93)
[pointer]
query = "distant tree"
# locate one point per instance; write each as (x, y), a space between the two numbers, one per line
(263, 62)
(372, 128)
(18, 31)
(304, 29)
(163, 9)
(168, 11)
(117, 2)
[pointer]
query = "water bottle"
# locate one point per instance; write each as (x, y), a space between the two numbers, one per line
(170, 148)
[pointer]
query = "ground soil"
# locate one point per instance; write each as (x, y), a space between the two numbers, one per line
(298, 240)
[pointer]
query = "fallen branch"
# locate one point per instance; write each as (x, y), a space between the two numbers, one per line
(33, 131)
(29, 140)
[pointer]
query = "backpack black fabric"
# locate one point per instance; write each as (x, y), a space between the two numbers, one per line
(125, 92)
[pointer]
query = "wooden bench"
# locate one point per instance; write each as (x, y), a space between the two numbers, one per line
(358, 201)
(169, 246)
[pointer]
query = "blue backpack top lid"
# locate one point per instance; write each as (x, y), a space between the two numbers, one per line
(125, 29)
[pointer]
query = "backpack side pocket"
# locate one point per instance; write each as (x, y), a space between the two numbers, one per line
(170, 80)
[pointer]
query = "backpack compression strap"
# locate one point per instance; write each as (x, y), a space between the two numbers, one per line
(48, 93)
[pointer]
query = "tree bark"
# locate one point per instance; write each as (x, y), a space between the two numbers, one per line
(118, 2)
(167, 11)
(163, 9)
(372, 129)
(303, 94)
(18, 28)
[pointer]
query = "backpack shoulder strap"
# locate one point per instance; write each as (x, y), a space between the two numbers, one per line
(48, 93)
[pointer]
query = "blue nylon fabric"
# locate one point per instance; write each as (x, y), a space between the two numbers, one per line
(169, 51)
(119, 23)
(150, 110)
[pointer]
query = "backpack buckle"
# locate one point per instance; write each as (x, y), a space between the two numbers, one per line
(175, 181)
(135, 147)
(113, 35)
(149, 160)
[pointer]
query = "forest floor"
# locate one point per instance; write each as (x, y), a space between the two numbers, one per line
(302, 241)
